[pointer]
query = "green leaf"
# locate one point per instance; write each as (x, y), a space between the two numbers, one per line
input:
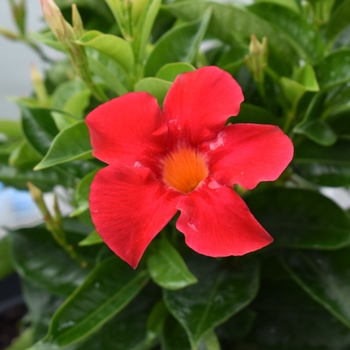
(39, 259)
(219, 294)
(38, 127)
(179, 44)
(171, 70)
(154, 86)
(6, 265)
(230, 22)
(92, 239)
(11, 128)
(63, 150)
(24, 154)
(339, 20)
(82, 192)
(317, 131)
(253, 114)
(144, 28)
(290, 4)
(334, 69)
(324, 276)
(23, 341)
(167, 268)
(108, 71)
(106, 291)
(174, 336)
(49, 39)
(127, 330)
(288, 319)
(325, 166)
(114, 47)
(41, 305)
(300, 218)
(301, 35)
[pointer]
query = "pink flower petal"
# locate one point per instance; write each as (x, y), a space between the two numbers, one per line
(129, 207)
(247, 154)
(216, 222)
(128, 129)
(199, 103)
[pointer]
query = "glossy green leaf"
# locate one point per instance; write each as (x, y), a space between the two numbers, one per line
(144, 28)
(82, 192)
(334, 69)
(38, 127)
(63, 150)
(339, 20)
(154, 86)
(127, 330)
(179, 44)
(106, 291)
(220, 293)
(325, 276)
(39, 259)
(167, 268)
(317, 131)
(108, 71)
(292, 90)
(290, 4)
(325, 166)
(171, 70)
(288, 319)
(92, 239)
(6, 265)
(253, 114)
(24, 154)
(300, 218)
(174, 336)
(114, 47)
(41, 306)
(299, 32)
(240, 22)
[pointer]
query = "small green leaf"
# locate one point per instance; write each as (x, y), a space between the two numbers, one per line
(82, 192)
(154, 86)
(39, 259)
(156, 319)
(24, 154)
(325, 166)
(114, 47)
(144, 28)
(107, 290)
(108, 71)
(92, 239)
(324, 276)
(6, 265)
(301, 218)
(317, 131)
(167, 268)
(63, 150)
(219, 294)
(334, 69)
(171, 70)
(48, 39)
(38, 127)
(179, 44)
(339, 20)
(290, 4)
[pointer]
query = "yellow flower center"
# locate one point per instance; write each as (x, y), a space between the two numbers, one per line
(184, 169)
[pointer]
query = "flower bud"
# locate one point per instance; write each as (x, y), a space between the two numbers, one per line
(257, 60)
(39, 86)
(78, 26)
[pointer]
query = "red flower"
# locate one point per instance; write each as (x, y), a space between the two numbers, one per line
(182, 158)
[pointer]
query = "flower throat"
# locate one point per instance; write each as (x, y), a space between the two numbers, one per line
(184, 169)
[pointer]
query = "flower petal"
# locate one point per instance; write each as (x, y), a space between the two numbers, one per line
(216, 222)
(129, 208)
(128, 129)
(247, 154)
(199, 103)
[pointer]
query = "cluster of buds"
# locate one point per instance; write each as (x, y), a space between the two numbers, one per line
(67, 35)
(257, 59)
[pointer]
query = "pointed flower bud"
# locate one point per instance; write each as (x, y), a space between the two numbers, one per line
(39, 86)
(78, 26)
(257, 60)
(54, 19)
